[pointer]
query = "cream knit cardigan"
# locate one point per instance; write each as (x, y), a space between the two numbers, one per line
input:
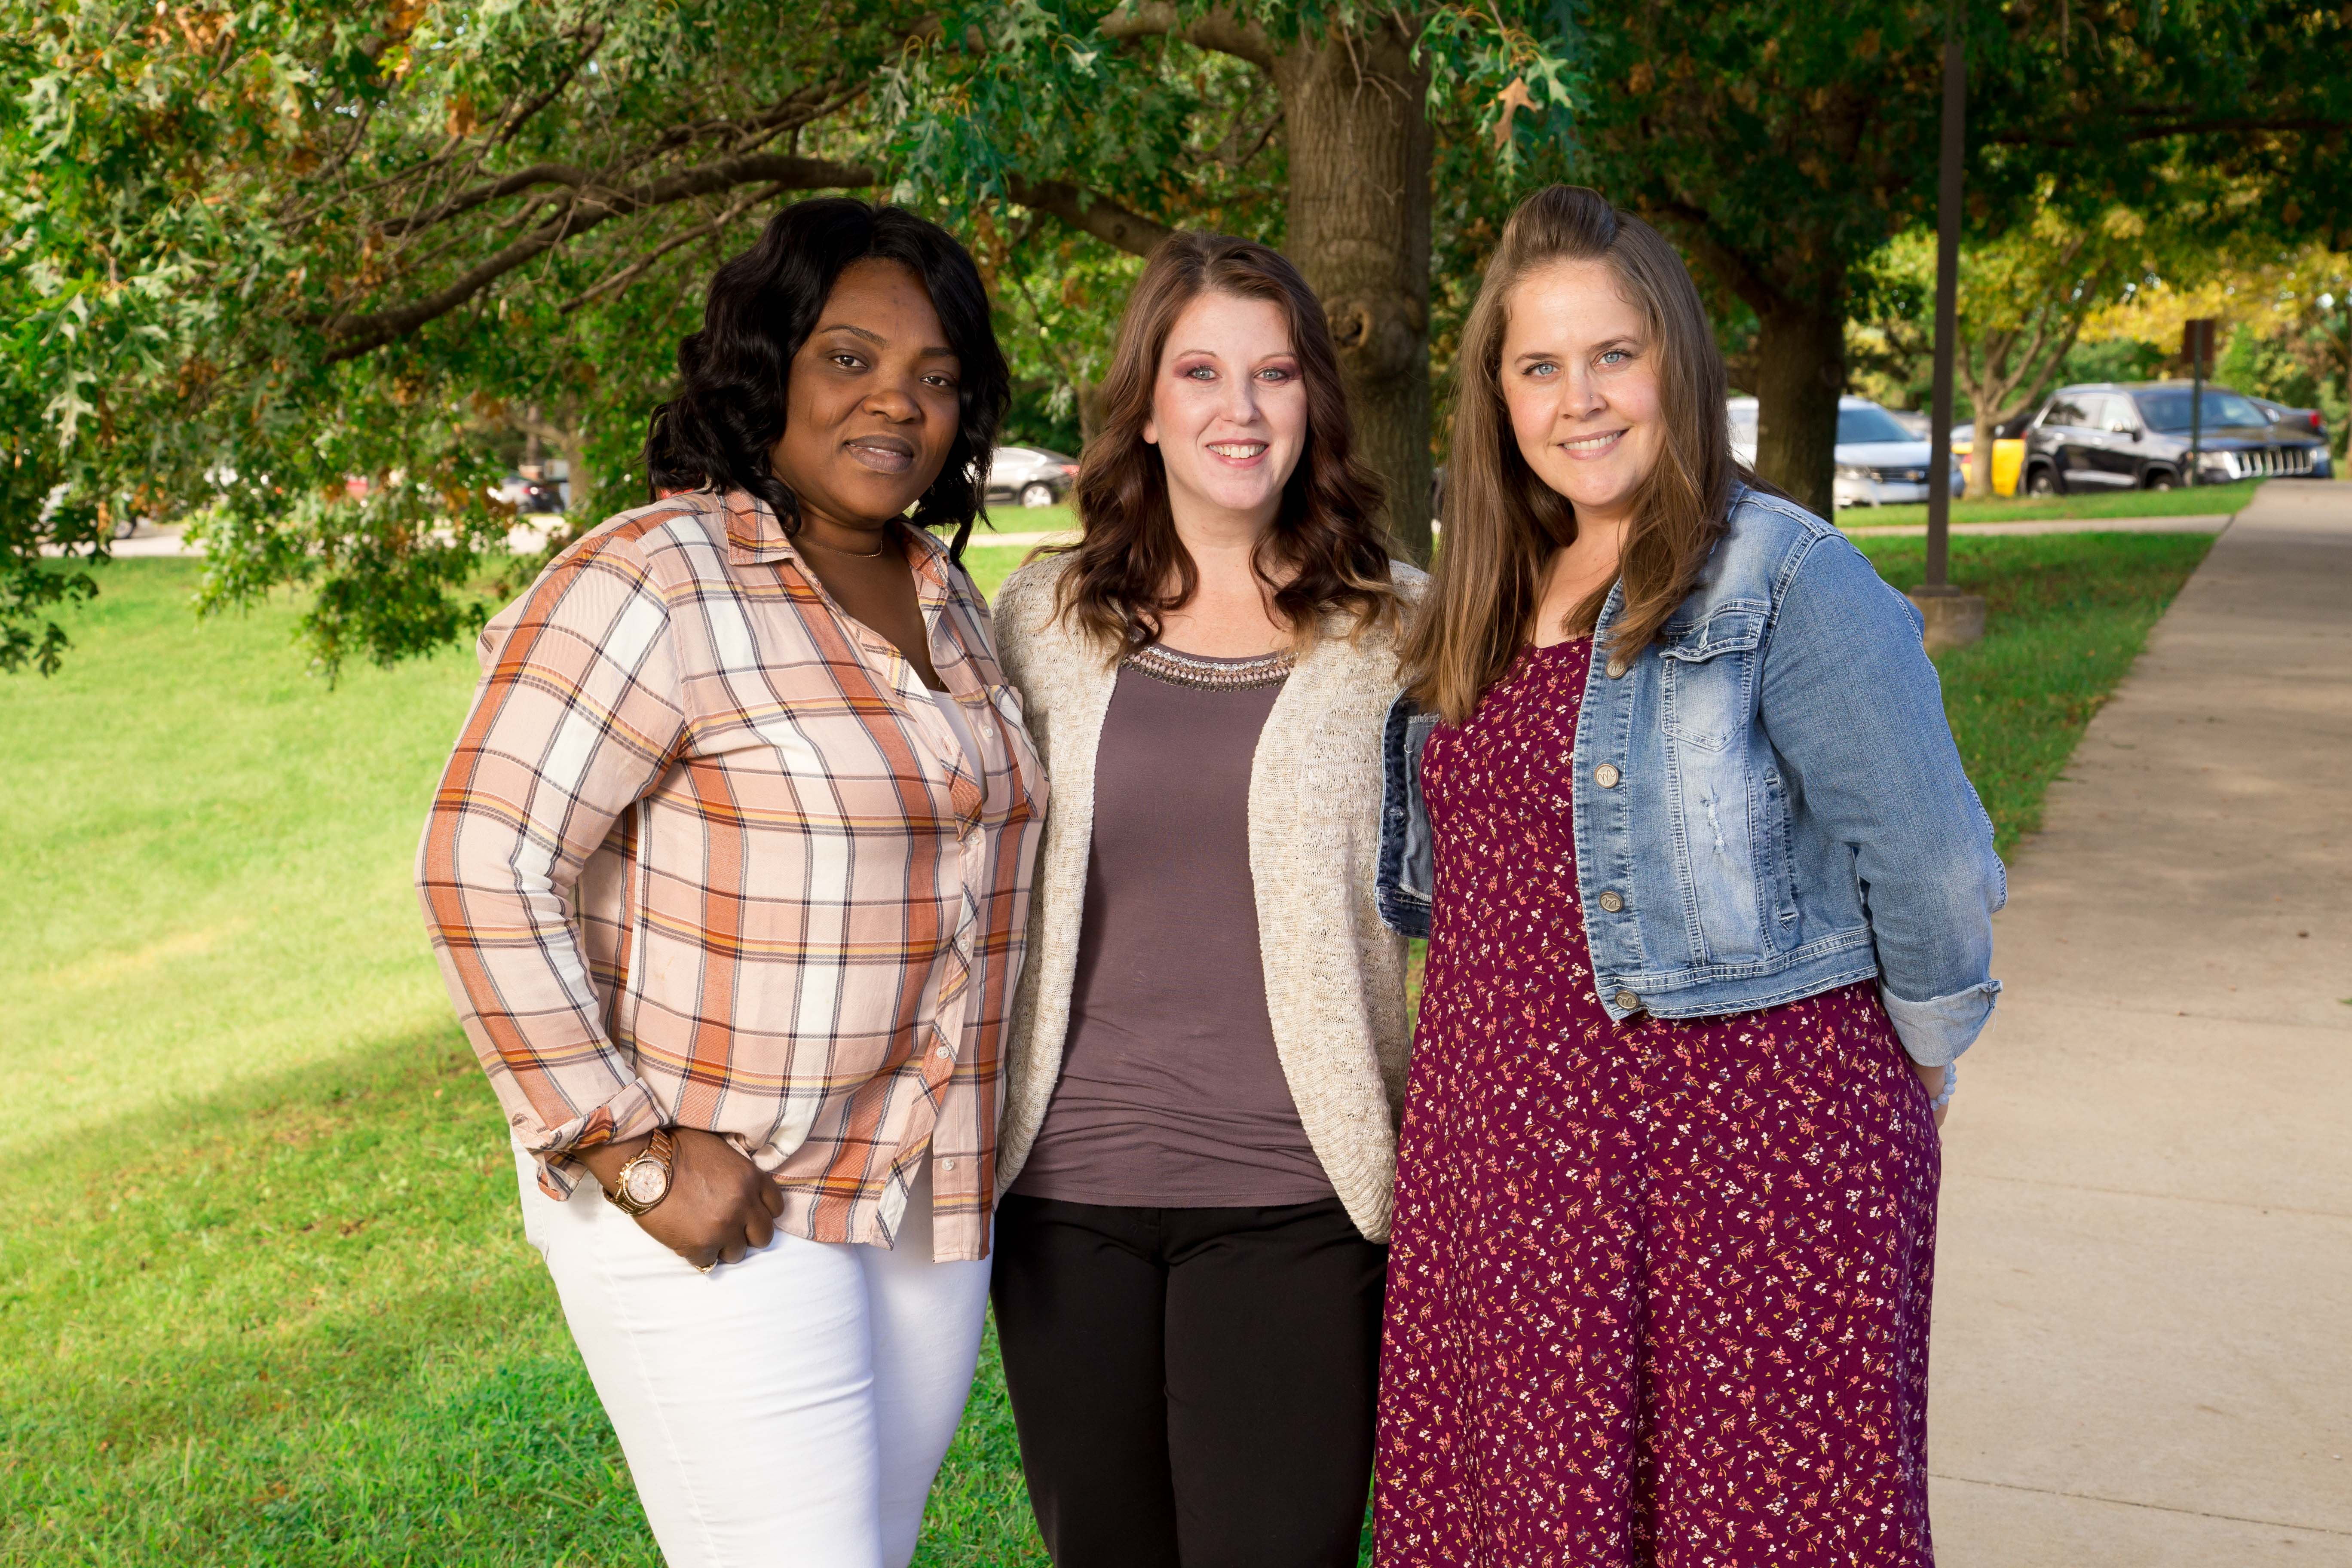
(1334, 973)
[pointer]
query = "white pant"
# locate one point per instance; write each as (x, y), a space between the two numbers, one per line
(790, 1409)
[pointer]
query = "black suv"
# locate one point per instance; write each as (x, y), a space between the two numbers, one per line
(2112, 436)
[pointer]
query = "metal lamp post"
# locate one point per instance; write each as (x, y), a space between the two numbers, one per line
(2196, 342)
(1951, 617)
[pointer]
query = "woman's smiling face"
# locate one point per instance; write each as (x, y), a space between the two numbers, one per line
(872, 411)
(1581, 381)
(1229, 410)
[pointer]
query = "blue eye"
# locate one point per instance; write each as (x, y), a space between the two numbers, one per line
(1614, 355)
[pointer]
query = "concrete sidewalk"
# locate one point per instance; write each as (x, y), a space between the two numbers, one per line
(2144, 1286)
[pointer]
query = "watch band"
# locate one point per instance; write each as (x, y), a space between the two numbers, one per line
(661, 1151)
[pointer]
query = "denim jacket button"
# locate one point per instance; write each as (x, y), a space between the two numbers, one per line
(1616, 667)
(1627, 1000)
(1612, 901)
(1606, 775)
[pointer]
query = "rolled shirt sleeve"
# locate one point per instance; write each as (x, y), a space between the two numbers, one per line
(1853, 707)
(579, 711)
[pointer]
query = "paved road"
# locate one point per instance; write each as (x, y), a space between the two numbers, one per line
(2144, 1286)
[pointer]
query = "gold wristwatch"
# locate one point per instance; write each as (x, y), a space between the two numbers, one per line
(644, 1181)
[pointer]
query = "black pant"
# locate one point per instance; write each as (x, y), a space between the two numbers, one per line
(1193, 1387)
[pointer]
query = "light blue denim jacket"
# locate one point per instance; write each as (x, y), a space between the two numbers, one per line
(1768, 802)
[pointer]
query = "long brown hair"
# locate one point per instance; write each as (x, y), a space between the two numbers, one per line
(1502, 523)
(1130, 568)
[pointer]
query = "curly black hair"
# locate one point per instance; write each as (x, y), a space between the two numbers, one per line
(762, 305)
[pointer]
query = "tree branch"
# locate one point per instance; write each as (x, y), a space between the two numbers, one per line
(592, 38)
(1219, 31)
(1089, 213)
(357, 335)
(746, 135)
(635, 269)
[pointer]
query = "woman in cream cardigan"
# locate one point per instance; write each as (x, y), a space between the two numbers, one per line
(1210, 1040)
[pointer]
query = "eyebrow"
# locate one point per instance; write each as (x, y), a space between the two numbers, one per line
(1278, 353)
(937, 351)
(1604, 347)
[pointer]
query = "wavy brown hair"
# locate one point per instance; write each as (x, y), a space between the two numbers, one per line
(1502, 525)
(1327, 551)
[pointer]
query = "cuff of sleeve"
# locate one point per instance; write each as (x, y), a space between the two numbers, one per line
(1934, 1032)
(632, 1112)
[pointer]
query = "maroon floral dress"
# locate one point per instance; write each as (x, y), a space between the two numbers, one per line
(1657, 1292)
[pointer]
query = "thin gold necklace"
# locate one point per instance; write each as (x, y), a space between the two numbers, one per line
(873, 554)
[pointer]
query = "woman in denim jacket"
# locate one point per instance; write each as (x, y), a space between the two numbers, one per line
(1708, 898)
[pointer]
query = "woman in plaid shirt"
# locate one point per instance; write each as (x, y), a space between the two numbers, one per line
(728, 876)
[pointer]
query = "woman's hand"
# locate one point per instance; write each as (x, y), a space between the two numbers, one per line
(1932, 1081)
(719, 1207)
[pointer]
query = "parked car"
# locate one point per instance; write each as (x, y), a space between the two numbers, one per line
(2115, 436)
(2309, 419)
(1879, 463)
(529, 495)
(1031, 476)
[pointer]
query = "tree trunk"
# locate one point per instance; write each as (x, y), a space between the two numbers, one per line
(1980, 460)
(1986, 394)
(578, 482)
(1356, 121)
(1801, 370)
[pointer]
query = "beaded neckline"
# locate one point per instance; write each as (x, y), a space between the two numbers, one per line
(1201, 674)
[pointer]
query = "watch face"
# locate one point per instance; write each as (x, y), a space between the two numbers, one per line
(644, 1182)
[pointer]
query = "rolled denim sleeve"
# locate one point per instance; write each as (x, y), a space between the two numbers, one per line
(1852, 704)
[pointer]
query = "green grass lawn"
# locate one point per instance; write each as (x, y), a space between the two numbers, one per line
(262, 1296)
(1025, 520)
(2205, 499)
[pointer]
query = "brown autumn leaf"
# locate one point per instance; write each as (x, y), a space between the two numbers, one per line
(1513, 99)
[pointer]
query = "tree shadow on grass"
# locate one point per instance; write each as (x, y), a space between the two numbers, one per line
(297, 1324)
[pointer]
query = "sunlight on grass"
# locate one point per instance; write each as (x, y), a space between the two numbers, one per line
(1024, 520)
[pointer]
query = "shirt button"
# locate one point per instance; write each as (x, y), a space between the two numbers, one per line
(1606, 775)
(1616, 667)
(1627, 1000)
(1611, 902)
(947, 1164)
(944, 1051)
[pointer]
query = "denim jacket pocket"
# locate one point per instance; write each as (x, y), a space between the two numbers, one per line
(1722, 824)
(1707, 677)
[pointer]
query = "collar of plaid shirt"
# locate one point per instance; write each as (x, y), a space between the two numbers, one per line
(706, 854)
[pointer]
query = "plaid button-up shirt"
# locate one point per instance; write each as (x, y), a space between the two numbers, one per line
(709, 855)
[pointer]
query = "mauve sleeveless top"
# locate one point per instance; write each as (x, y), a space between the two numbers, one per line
(1171, 1095)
